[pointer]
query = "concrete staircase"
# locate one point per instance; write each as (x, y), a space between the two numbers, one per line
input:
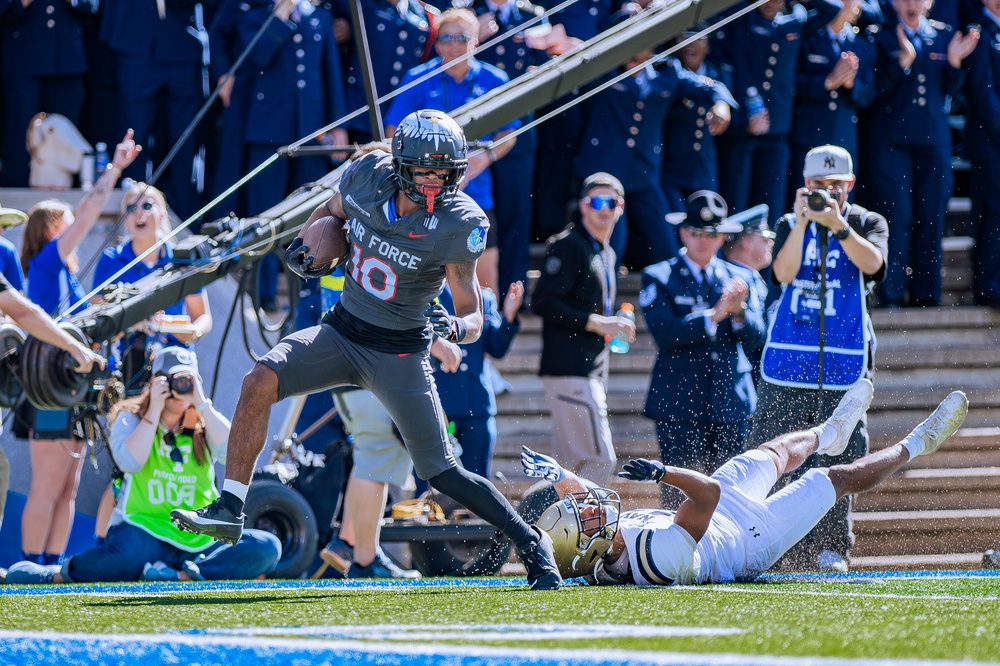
(941, 512)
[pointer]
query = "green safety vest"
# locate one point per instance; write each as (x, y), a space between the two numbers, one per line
(149, 495)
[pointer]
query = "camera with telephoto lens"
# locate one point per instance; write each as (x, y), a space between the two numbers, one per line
(181, 384)
(819, 200)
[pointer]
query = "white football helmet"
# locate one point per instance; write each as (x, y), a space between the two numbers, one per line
(582, 526)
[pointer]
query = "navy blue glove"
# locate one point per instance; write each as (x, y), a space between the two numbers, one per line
(445, 325)
(299, 261)
(641, 469)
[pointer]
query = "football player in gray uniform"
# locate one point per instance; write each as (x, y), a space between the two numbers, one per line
(728, 529)
(410, 228)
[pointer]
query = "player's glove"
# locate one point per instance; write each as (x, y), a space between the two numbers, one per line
(445, 325)
(539, 466)
(300, 262)
(641, 469)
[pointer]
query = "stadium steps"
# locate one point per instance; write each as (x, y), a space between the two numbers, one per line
(938, 513)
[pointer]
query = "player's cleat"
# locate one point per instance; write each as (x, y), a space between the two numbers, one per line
(30, 573)
(849, 411)
(380, 567)
(942, 423)
(3, 575)
(215, 520)
(829, 561)
(338, 554)
(540, 562)
(991, 560)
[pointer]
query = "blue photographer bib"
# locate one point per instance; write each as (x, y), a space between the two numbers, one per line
(791, 354)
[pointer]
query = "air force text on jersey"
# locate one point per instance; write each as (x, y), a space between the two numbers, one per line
(361, 237)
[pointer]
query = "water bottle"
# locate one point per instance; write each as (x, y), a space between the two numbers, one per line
(619, 343)
(87, 172)
(100, 158)
(755, 103)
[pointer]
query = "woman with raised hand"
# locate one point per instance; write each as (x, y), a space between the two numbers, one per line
(147, 222)
(52, 235)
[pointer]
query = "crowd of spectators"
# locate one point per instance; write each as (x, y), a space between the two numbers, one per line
(734, 112)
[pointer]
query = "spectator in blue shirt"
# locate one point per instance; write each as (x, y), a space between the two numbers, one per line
(144, 210)
(462, 81)
(48, 255)
(10, 265)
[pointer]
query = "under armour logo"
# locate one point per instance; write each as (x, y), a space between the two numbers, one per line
(829, 162)
(754, 532)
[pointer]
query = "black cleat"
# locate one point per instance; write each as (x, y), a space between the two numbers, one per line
(540, 563)
(215, 520)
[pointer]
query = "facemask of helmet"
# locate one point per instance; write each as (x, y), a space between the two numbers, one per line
(429, 140)
(582, 536)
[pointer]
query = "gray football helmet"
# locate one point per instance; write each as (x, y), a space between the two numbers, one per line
(579, 542)
(429, 139)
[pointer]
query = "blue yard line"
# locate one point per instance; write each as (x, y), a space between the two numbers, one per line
(75, 649)
(492, 581)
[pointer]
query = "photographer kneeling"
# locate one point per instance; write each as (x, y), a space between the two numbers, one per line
(165, 440)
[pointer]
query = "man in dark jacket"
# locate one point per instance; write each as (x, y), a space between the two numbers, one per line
(575, 297)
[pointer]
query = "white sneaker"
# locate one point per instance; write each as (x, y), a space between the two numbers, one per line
(849, 411)
(942, 423)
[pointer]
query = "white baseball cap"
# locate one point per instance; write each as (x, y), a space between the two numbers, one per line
(828, 162)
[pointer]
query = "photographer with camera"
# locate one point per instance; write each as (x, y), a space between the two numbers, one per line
(166, 441)
(828, 254)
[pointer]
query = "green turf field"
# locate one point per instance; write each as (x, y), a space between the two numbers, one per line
(950, 618)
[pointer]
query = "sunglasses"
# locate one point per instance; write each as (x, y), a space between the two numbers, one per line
(146, 205)
(602, 202)
(175, 453)
(702, 233)
(449, 39)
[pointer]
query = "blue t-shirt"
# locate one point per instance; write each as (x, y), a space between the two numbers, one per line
(113, 259)
(10, 265)
(444, 93)
(50, 284)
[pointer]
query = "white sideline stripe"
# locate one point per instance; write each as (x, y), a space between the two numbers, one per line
(824, 593)
(116, 643)
(479, 632)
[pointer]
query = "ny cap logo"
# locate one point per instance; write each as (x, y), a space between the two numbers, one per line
(829, 162)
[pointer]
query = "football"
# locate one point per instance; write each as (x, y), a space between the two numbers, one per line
(327, 241)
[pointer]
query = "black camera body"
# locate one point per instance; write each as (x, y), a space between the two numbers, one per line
(819, 200)
(181, 384)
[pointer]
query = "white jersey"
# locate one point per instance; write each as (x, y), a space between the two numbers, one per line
(748, 532)
(663, 553)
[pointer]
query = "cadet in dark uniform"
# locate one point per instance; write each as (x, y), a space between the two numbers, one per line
(559, 137)
(160, 76)
(624, 137)
(42, 64)
(400, 36)
(690, 160)
(917, 66)
(514, 175)
(753, 250)
(982, 146)
(834, 81)
(378, 335)
(292, 87)
(698, 310)
(762, 49)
